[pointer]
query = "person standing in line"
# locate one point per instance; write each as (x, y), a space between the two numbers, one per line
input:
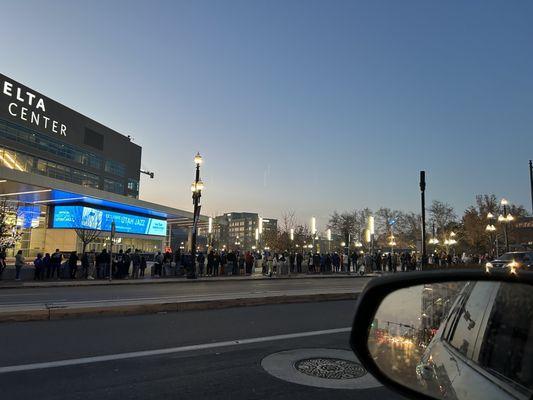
(84, 265)
(55, 264)
(127, 264)
(46, 266)
(136, 261)
(142, 266)
(38, 264)
(292, 262)
(20, 261)
(158, 265)
(73, 264)
(3, 263)
(216, 263)
(299, 260)
(210, 262)
(201, 263)
(249, 260)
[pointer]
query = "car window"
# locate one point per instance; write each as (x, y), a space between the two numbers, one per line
(513, 256)
(469, 318)
(507, 345)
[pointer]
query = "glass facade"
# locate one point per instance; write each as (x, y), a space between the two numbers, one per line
(115, 168)
(24, 162)
(111, 185)
(72, 155)
(36, 140)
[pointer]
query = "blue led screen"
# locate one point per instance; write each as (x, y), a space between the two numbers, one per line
(95, 218)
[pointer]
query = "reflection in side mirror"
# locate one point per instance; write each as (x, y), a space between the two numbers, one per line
(457, 340)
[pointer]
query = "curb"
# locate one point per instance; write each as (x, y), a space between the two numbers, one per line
(127, 282)
(44, 314)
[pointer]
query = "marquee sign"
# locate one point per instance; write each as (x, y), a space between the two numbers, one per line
(82, 217)
(26, 105)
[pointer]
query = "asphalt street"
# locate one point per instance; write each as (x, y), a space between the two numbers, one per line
(206, 370)
(201, 289)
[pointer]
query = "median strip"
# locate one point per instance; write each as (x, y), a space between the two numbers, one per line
(133, 307)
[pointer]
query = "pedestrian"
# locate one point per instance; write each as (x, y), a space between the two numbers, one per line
(3, 263)
(55, 264)
(73, 264)
(201, 263)
(142, 266)
(292, 262)
(38, 264)
(158, 264)
(249, 260)
(46, 266)
(84, 265)
(119, 261)
(167, 263)
(299, 260)
(20, 261)
(216, 263)
(136, 261)
(126, 264)
(210, 262)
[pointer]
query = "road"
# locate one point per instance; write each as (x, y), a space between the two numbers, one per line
(190, 290)
(209, 369)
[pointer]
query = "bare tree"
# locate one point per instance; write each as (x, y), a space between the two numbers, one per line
(442, 215)
(87, 225)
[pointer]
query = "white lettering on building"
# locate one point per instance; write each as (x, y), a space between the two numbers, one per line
(34, 117)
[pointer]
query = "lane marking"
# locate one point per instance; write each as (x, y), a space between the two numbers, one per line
(171, 350)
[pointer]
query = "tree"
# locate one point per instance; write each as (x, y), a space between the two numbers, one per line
(9, 233)
(90, 218)
(474, 235)
(442, 215)
(409, 229)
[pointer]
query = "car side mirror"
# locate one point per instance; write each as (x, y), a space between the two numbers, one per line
(448, 334)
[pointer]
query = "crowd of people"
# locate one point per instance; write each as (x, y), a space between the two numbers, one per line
(132, 264)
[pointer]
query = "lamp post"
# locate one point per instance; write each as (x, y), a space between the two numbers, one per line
(371, 228)
(490, 228)
(505, 218)
(196, 189)
(313, 230)
(423, 205)
(450, 241)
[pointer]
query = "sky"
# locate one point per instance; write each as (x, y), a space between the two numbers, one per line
(309, 106)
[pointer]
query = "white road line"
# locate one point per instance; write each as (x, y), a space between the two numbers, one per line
(171, 350)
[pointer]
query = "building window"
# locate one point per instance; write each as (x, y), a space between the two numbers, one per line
(113, 186)
(24, 162)
(115, 168)
(133, 185)
(41, 142)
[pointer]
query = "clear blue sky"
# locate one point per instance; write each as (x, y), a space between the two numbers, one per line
(296, 105)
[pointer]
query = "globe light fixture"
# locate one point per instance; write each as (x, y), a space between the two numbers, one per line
(198, 159)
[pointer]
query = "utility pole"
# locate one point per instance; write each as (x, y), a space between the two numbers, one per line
(531, 183)
(112, 239)
(423, 204)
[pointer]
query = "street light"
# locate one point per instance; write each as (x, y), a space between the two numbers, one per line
(505, 218)
(196, 188)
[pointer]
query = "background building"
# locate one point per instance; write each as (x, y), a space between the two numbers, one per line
(67, 174)
(238, 230)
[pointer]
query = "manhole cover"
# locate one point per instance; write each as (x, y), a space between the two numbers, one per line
(319, 367)
(330, 368)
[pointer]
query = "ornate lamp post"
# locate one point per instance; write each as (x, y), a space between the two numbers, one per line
(196, 189)
(490, 228)
(505, 218)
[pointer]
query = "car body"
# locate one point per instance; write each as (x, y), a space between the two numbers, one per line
(468, 358)
(514, 259)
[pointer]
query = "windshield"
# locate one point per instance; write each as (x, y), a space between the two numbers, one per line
(513, 256)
